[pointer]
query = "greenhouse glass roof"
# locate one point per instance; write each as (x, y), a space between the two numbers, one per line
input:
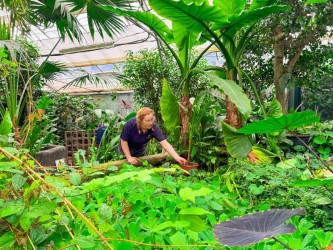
(92, 55)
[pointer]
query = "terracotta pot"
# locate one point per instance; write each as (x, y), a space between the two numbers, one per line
(190, 165)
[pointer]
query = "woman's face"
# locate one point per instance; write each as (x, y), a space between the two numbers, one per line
(148, 121)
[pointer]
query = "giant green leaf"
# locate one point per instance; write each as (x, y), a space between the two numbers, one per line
(170, 111)
(249, 17)
(150, 20)
(275, 109)
(191, 16)
(256, 4)
(231, 7)
(183, 37)
(238, 145)
(263, 155)
(235, 92)
(285, 122)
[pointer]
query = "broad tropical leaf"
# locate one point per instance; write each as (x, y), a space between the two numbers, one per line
(252, 228)
(235, 92)
(256, 4)
(250, 17)
(150, 20)
(231, 7)
(170, 111)
(275, 109)
(263, 155)
(285, 122)
(238, 145)
(191, 16)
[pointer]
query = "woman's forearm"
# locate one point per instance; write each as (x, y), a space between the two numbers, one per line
(125, 148)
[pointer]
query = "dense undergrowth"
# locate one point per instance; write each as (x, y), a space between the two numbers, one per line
(151, 207)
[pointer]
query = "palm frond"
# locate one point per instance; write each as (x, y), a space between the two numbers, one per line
(107, 79)
(12, 47)
(50, 70)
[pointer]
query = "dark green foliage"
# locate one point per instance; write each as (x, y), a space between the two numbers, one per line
(71, 113)
(145, 71)
(271, 184)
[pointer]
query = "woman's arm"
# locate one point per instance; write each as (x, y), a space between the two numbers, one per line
(127, 153)
(168, 147)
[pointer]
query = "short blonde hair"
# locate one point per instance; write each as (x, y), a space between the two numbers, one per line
(141, 114)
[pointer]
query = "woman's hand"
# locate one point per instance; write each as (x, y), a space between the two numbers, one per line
(181, 160)
(132, 160)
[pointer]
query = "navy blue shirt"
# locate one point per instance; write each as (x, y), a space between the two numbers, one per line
(137, 142)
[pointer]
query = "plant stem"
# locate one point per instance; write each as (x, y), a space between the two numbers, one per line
(286, 246)
(313, 152)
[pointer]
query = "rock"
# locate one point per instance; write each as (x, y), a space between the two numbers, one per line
(51, 154)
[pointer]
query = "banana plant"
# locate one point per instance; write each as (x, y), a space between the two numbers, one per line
(226, 24)
(175, 113)
(221, 24)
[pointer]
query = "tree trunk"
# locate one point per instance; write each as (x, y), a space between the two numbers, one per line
(278, 67)
(185, 115)
(233, 117)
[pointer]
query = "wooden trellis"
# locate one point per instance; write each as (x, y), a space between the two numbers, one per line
(75, 140)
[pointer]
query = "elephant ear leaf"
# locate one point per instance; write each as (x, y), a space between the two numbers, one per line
(170, 111)
(252, 228)
(285, 122)
(238, 145)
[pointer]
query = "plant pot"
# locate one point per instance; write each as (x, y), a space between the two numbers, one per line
(190, 165)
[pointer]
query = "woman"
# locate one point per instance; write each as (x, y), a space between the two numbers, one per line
(138, 131)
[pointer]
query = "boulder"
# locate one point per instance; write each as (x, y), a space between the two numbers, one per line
(51, 154)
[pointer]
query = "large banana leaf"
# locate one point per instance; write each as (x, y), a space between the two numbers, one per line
(183, 37)
(252, 16)
(191, 16)
(170, 111)
(256, 4)
(236, 94)
(231, 7)
(285, 122)
(150, 20)
(252, 228)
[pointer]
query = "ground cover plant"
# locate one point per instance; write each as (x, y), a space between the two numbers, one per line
(148, 207)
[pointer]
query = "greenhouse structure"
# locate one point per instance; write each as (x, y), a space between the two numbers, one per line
(166, 124)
